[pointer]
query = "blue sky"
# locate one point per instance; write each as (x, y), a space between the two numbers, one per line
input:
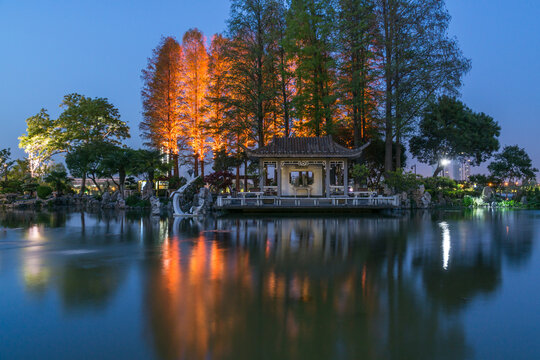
(98, 48)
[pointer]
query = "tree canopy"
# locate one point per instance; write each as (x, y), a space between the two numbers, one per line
(83, 121)
(451, 130)
(512, 164)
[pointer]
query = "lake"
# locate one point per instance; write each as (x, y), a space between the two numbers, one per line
(422, 285)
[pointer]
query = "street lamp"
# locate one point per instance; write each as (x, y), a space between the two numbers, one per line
(445, 162)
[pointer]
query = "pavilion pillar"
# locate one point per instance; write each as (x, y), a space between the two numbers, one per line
(345, 178)
(261, 175)
(327, 177)
(278, 169)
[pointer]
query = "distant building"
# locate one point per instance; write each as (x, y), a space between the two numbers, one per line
(459, 170)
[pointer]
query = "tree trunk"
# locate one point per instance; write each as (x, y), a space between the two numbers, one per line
(121, 182)
(97, 185)
(169, 171)
(398, 150)
(83, 184)
(237, 178)
(195, 166)
(202, 168)
(388, 84)
(438, 169)
(245, 175)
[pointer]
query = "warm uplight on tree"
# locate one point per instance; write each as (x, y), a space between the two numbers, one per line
(162, 98)
(195, 107)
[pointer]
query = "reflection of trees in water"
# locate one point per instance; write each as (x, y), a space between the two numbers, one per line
(477, 244)
(91, 285)
(25, 219)
(295, 288)
(85, 273)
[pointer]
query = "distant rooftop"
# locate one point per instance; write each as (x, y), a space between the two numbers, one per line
(320, 147)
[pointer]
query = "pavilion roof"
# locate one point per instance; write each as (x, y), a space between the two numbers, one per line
(305, 147)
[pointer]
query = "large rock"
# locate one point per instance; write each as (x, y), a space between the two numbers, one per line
(421, 198)
(120, 203)
(487, 194)
(147, 191)
(106, 198)
(155, 205)
(202, 202)
(386, 190)
(404, 200)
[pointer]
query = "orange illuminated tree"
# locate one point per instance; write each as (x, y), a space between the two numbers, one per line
(195, 108)
(162, 96)
(219, 114)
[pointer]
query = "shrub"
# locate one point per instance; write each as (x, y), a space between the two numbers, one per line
(43, 191)
(11, 187)
(400, 181)
(219, 180)
(132, 200)
(468, 201)
(136, 201)
(176, 182)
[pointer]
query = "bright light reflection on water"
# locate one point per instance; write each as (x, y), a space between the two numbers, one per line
(445, 244)
(112, 286)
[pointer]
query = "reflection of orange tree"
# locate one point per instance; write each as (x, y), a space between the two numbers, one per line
(188, 300)
(289, 289)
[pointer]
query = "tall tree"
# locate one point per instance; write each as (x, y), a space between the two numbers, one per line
(219, 114)
(513, 164)
(358, 72)
(83, 161)
(450, 130)
(162, 96)
(121, 162)
(419, 62)
(253, 83)
(40, 141)
(5, 163)
(283, 67)
(309, 42)
(88, 120)
(84, 121)
(195, 109)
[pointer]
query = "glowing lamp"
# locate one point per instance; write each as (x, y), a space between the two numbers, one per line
(445, 162)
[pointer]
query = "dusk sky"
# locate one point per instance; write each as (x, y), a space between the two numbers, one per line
(98, 48)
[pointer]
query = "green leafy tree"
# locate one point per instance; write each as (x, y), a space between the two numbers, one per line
(373, 157)
(83, 121)
(418, 61)
(512, 164)
(5, 163)
(89, 120)
(225, 162)
(360, 174)
(58, 180)
(357, 53)
(118, 161)
(400, 181)
(451, 130)
(85, 162)
(253, 73)
(149, 163)
(309, 44)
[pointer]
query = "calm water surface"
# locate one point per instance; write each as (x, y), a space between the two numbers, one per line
(445, 285)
